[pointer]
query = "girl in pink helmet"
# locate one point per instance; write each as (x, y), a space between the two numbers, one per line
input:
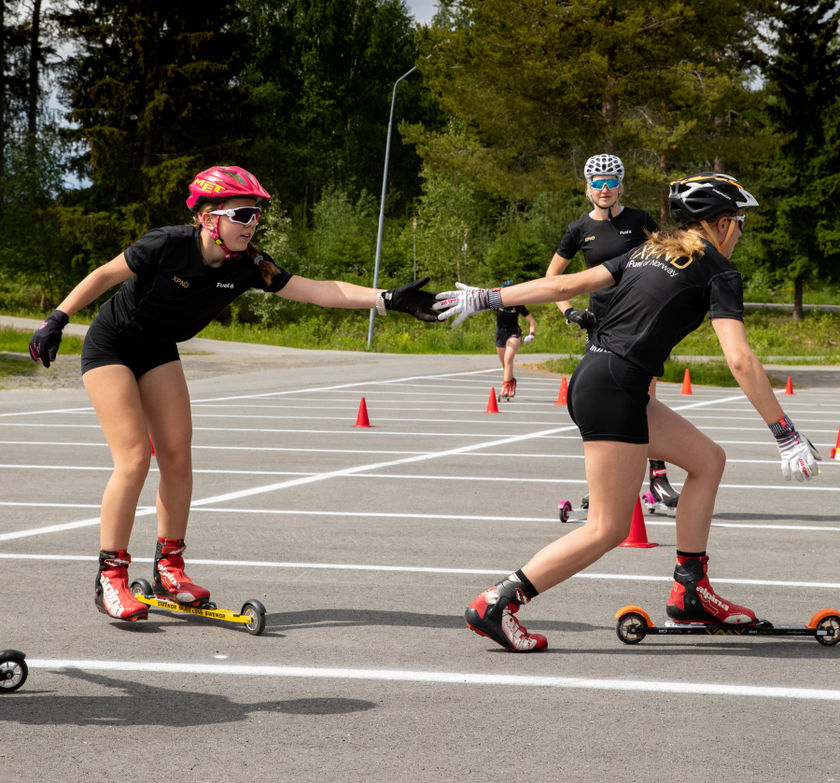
(173, 281)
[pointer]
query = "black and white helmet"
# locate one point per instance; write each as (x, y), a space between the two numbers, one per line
(705, 195)
(603, 166)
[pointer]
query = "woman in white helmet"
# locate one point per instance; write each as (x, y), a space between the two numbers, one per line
(609, 230)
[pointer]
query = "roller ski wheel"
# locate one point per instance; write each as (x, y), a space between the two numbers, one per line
(634, 623)
(568, 513)
(252, 615)
(13, 670)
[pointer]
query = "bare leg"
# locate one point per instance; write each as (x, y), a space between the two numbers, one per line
(508, 354)
(676, 440)
(614, 472)
(166, 404)
(115, 395)
(500, 352)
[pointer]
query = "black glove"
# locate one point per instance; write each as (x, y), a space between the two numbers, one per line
(410, 299)
(585, 319)
(44, 343)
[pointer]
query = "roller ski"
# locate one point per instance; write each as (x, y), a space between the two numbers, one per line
(175, 591)
(568, 512)
(508, 390)
(634, 623)
(662, 496)
(13, 670)
(252, 614)
(694, 608)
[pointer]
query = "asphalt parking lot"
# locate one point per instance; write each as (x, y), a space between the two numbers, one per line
(365, 545)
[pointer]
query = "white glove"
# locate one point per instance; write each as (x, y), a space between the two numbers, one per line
(799, 457)
(466, 301)
(529, 338)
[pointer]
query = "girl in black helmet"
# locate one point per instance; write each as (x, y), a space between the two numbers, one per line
(609, 230)
(663, 290)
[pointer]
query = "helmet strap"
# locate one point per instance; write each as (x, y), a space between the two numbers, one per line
(213, 233)
(609, 209)
(713, 234)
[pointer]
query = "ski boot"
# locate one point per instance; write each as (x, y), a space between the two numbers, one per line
(662, 496)
(170, 581)
(492, 614)
(694, 601)
(505, 393)
(512, 389)
(113, 596)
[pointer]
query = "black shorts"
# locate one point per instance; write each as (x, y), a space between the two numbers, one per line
(104, 346)
(503, 335)
(608, 397)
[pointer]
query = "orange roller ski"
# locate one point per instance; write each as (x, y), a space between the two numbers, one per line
(634, 623)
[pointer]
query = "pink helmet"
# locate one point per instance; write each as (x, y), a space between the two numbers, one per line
(223, 182)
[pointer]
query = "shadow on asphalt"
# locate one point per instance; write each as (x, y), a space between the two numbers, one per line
(137, 704)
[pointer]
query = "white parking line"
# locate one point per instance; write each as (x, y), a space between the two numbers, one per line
(364, 567)
(445, 678)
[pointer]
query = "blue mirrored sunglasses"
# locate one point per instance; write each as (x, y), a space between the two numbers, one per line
(740, 219)
(242, 215)
(612, 183)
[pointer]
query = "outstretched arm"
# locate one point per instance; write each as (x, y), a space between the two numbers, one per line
(329, 293)
(467, 300)
(409, 298)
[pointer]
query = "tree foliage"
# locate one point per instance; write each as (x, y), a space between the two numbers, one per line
(508, 100)
(541, 85)
(803, 85)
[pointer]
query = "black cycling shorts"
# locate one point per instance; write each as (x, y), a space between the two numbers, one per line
(104, 346)
(503, 335)
(608, 397)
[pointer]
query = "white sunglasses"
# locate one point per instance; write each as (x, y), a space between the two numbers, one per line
(242, 215)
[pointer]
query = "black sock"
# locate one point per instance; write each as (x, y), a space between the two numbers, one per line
(690, 554)
(527, 588)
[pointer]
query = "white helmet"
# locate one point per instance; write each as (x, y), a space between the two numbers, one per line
(603, 165)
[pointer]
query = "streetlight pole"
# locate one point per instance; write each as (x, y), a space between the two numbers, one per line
(382, 201)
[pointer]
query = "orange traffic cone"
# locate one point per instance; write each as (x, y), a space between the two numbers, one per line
(789, 386)
(638, 533)
(152, 445)
(491, 403)
(835, 452)
(564, 389)
(362, 419)
(686, 387)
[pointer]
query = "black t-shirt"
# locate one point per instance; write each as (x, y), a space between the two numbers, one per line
(656, 302)
(601, 240)
(175, 293)
(507, 318)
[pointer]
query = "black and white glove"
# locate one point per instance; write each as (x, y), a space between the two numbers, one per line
(585, 319)
(466, 301)
(529, 338)
(799, 457)
(409, 299)
(44, 343)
